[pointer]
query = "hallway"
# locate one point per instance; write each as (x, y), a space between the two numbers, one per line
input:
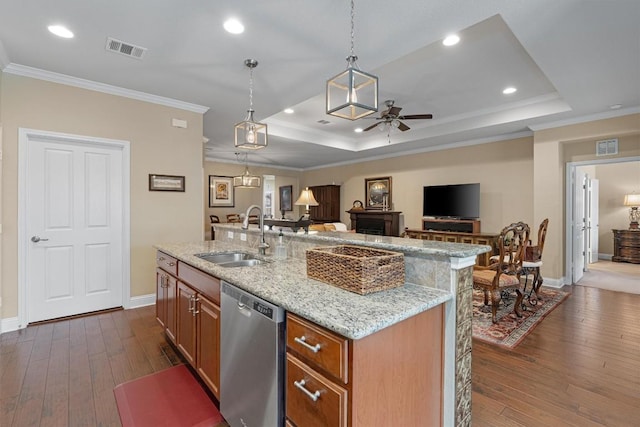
(612, 276)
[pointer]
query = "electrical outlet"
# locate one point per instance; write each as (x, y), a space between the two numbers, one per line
(243, 237)
(229, 234)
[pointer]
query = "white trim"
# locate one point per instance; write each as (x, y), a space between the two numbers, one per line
(569, 178)
(460, 263)
(584, 119)
(9, 324)
(605, 257)
(36, 73)
(553, 283)
(23, 138)
(141, 301)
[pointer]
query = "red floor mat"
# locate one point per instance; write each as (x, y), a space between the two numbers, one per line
(172, 397)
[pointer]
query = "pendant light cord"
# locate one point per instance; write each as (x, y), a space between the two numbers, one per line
(251, 88)
(352, 27)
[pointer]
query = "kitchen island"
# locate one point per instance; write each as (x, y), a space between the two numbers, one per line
(437, 292)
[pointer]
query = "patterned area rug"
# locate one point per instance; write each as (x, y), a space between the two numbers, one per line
(510, 329)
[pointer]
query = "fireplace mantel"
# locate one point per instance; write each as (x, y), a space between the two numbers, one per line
(391, 219)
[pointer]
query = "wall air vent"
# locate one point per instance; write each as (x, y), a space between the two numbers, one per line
(126, 49)
(607, 147)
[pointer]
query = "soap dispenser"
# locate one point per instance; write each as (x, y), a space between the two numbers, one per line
(281, 248)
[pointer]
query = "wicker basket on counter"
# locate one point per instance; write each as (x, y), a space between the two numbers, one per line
(356, 268)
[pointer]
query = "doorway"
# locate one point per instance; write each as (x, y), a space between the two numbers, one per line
(73, 225)
(582, 216)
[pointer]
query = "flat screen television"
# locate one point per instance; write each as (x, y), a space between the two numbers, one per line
(461, 201)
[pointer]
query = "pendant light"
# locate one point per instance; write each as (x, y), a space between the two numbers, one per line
(250, 134)
(352, 94)
(246, 180)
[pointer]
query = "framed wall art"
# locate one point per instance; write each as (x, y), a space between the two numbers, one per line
(377, 193)
(286, 203)
(166, 183)
(221, 192)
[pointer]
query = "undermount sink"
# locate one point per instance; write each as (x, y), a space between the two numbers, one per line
(231, 259)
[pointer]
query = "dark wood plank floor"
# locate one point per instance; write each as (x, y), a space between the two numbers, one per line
(579, 367)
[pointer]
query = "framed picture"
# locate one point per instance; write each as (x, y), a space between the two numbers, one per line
(221, 191)
(166, 183)
(377, 193)
(286, 204)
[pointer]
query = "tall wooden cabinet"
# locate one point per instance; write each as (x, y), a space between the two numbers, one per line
(328, 209)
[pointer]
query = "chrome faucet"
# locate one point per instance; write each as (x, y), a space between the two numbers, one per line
(263, 246)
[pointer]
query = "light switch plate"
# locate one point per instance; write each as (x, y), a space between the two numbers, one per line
(229, 234)
(243, 237)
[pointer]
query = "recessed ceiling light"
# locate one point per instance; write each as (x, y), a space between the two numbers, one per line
(233, 26)
(509, 90)
(60, 31)
(358, 130)
(288, 110)
(616, 106)
(451, 39)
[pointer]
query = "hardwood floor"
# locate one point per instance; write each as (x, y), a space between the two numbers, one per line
(579, 367)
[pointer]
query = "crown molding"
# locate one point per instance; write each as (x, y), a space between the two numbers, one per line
(584, 119)
(36, 73)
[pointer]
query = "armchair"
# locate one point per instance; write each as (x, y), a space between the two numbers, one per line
(504, 273)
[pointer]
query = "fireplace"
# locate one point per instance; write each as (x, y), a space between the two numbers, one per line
(383, 223)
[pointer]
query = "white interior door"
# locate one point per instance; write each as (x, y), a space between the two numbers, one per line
(74, 223)
(579, 225)
(593, 218)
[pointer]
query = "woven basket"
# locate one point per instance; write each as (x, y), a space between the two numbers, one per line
(356, 268)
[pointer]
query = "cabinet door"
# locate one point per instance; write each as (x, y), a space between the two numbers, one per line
(186, 324)
(208, 337)
(161, 299)
(171, 287)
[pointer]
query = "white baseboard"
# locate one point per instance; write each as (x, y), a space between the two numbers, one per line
(141, 301)
(11, 323)
(606, 257)
(553, 283)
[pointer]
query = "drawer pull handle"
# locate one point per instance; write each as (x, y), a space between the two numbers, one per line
(171, 264)
(301, 385)
(161, 258)
(303, 340)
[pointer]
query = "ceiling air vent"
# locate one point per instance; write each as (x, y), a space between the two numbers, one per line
(607, 147)
(126, 49)
(324, 122)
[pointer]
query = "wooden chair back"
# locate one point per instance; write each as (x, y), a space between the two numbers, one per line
(512, 247)
(233, 218)
(214, 218)
(534, 253)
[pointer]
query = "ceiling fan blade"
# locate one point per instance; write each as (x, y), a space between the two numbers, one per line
(394, 111)
(370, 127)
(403, 127)
(416, 116)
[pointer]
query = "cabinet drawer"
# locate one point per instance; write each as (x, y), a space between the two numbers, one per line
(167, 263)
(201, 281)
(332, 349)
(330, 407)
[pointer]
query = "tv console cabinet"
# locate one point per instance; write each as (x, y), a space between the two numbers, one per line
(456, 231)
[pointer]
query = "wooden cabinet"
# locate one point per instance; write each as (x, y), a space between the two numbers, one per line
(335, 381)
(166, 287)
(487, 239)
(194, 312)
(328, 209)
(626, 246)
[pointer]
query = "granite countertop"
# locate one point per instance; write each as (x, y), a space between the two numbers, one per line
(285, 283)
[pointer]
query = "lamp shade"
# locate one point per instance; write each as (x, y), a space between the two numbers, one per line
(632, 200)
(306, 198)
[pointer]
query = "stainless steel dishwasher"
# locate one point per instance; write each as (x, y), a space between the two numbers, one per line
(252, 348)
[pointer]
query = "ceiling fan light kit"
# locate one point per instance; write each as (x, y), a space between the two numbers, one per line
(250, 134)
(352, 94)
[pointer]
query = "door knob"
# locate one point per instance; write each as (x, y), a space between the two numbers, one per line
(36, 239)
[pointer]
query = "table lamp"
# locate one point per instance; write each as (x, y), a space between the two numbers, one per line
(633, 201)
(306, 198)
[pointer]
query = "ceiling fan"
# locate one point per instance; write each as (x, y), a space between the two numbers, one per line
(391, 117)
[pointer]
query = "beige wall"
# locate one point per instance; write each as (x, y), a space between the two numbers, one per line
(615, 180)
(245, 197)
(552, 149)
(156, 147)
(504, 170)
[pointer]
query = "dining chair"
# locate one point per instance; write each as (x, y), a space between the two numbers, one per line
(533, 261)
(233, 218)
(505, 271)
(214, 219)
